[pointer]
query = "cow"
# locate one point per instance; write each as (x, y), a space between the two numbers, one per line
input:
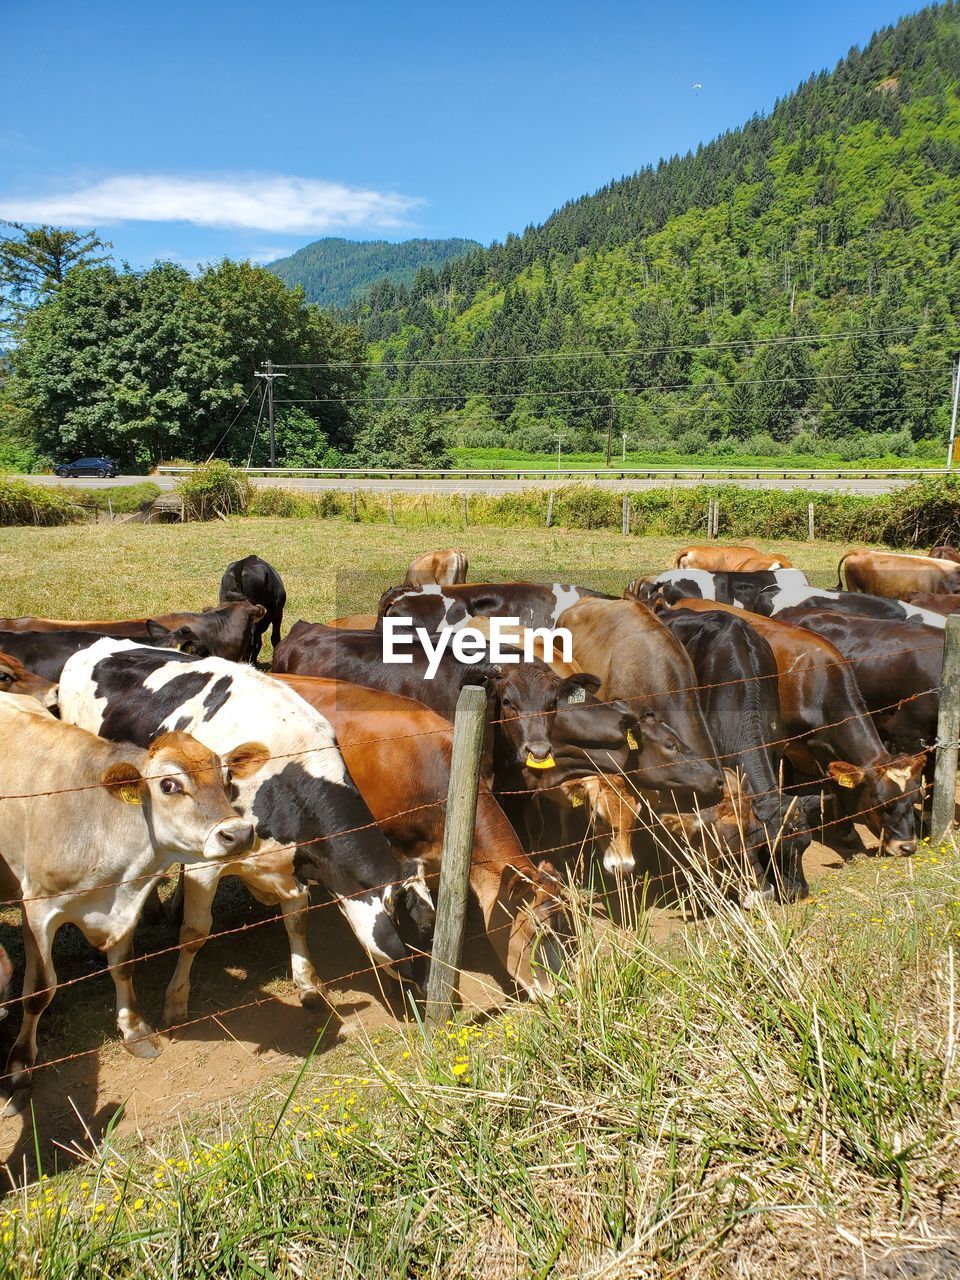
(757, 593)
(893, 575)
(16, 678)
(737, 674)
(437, 608)
(222, 631)
(302, 794)
(45, 652)
(945, 553)
(897, 668)
(730, 559)
(398, 753)
(444, 568)
(89, 853)
(934, 603)
(829, 729)
(257, 582)
(641, 663)
(355, 622)
(524, 696)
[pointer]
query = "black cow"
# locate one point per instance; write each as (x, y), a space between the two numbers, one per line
(253, 579)
(737, 674)
(45, 652)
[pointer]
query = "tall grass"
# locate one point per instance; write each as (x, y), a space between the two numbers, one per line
(23, 503)
(215, 490)
(919, 515)
(770, 1094)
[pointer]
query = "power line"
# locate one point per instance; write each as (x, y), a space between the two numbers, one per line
(786, 340)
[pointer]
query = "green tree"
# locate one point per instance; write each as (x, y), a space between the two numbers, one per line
(35, 260)
(402, 437)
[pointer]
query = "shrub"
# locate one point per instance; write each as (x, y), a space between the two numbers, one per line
(125, 499)
(25, 503)
(215, 489)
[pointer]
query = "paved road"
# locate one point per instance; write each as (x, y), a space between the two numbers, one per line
(848, 484)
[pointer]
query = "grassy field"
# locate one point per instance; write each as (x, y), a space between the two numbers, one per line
(753, 1096)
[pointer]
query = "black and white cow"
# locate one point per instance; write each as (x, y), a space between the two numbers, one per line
(770, 593)
(439, 608)
(301, 795)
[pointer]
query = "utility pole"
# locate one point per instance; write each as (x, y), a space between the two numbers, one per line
(270, 375)
(609, 429)
(953, 415)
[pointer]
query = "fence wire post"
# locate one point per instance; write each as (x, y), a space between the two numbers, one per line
(948, 731)
(809, 521)
(463, 505)
(550, 509)
(468, 730)
(625, 517)
(709, 517)
(390, 508)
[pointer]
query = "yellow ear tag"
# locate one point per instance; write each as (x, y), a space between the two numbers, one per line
(845, 780)
(129, 795)
(549, 763)
(576, 801)
(632, 743)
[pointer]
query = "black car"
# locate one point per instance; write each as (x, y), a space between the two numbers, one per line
(101, 467)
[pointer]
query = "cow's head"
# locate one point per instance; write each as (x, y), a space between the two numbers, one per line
(184, 639)
(15, 678)
(528, 695)
(610, 806)
(666, 763)
(883, 796)
(184, 796)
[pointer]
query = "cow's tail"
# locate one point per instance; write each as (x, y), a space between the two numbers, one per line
(839, 586)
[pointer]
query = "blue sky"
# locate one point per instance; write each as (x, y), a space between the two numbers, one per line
(194, 130)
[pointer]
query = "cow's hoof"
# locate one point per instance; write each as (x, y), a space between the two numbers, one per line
(754, 899)
(313, 998)
(17, 1103)
(173, 1015)
(144, 1046)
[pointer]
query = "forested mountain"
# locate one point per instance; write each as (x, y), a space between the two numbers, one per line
(796, 278)
(333, 271)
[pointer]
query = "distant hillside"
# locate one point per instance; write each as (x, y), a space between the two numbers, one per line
(334, 271)
(796, 278)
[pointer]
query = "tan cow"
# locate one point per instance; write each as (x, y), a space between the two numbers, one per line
(355, 622)
(445, 568)
(729, 560)
(896, 575)
(88, 852)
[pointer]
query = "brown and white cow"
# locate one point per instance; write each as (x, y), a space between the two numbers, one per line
(445, 568)
(729, 560)
(89, 853)
(895, 575)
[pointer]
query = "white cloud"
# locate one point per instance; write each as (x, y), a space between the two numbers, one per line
(261, 202)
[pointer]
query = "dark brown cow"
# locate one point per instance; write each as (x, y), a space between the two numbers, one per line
(897, 668)
(729, 560)
(254, 580)
(15, 678)
(444, 568)
(829, 728)
(889, 574)
(223, 631)
(398, 753)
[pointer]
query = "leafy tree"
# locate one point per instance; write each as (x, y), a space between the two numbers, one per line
(401, 437)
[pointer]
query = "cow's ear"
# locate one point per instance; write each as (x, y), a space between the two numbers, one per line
(157, 631)
(125, 781)
(904, 769)
(246, 759)
(580, 791)
(845, 775)
(570, 686)
(257, 611)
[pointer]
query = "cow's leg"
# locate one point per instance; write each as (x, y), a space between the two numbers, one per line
(39, 982)
(275, 630)
(139, 1038)
(269, 882)
(199, 889)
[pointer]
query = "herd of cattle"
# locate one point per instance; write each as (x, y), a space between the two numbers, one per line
(724, 704)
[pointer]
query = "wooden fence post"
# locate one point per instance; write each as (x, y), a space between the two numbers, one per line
(709, 518)
(625, 518)
(468, 729)
(110, 509)
(948, 731)
(390, 508)
(354, 496)
(463, 504)
(716, 517)
(809, 521)
(550, 509)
